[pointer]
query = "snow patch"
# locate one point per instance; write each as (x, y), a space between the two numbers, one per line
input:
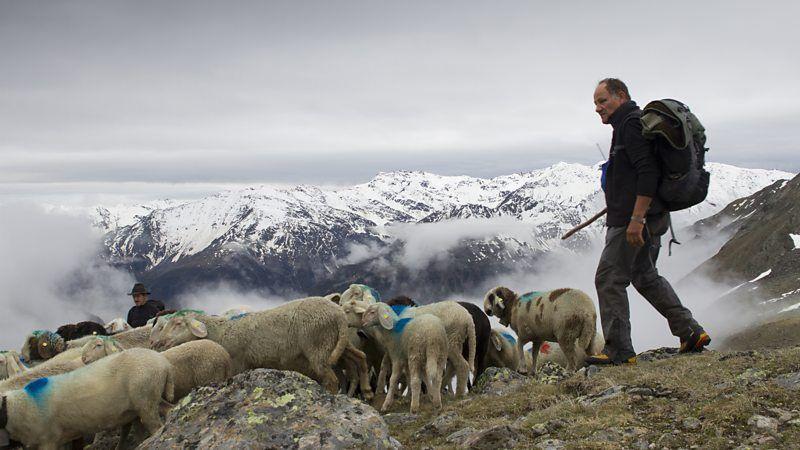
(796, 240)
(763, 275)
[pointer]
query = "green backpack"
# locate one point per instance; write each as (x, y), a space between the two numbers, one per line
(679, 140)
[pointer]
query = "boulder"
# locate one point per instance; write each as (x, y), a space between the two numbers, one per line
(267, 409)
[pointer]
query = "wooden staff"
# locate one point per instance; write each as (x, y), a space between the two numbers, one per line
(585, 224)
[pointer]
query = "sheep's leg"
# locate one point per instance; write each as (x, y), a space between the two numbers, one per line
(324, 373)
(385, 365)
(413, 375)
(447, 379)
(523, 365)
(123, 435)
(534, 356)
(461, 367)
(569, 353)
(361, 371)
(434, 367)
(396, 371)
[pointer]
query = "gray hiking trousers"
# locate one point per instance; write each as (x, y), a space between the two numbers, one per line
(620, 265)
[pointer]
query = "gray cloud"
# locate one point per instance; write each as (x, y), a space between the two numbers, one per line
(331, 92)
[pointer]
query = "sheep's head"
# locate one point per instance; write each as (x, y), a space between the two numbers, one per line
(496, 339)
(10, 364)
(42, 344)
(354, 310)
(362, 293)
(117, 325)
(499, 302)
(378, 313)
(99, 348)
(177, 330)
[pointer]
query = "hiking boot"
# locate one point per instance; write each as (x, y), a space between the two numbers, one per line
(695, 342)
(598, 359)
(629, 361)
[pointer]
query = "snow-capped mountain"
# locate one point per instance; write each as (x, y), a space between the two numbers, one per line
(308, 239)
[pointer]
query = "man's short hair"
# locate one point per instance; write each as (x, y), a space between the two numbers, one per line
(615, 86)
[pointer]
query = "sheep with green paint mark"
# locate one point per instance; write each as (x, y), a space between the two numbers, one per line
(42, 345)
(502, 350)
(135, 338)
(566, 316)
(308, 335)
(416, 346)
(111, 393)
(359, 293)
(10, 364)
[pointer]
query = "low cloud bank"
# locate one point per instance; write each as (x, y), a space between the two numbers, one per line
(50, 273)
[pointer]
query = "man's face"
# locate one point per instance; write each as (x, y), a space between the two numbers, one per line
(140, 299)
(605, 103)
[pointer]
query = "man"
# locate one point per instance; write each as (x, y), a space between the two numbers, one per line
(636, 220)
(144, 309)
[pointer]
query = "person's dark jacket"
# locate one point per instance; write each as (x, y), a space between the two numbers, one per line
(633, 168)
(139, 315)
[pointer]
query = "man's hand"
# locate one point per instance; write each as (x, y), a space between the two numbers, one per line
(634, 234)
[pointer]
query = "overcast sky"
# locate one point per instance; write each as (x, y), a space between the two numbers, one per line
(130, 98)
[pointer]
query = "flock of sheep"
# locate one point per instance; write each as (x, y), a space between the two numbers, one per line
(349, 342)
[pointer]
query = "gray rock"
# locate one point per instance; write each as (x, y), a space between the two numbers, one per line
(691, 424)
(439, 426)
(608, 394)
(782, 415)
(657, 353)
(499, 381)
(763, 423)
(459, 436)
(540, 429)
(550, 444)
(107, 440)
(592, 371)
(398, 419)
(551, 373)
(267, 408)
(501, 436)
(752, 376)
(789, 381)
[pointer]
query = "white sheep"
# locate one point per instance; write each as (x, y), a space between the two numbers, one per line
(135, 338)
(306, 335)
(566, 316)
(96, 348)
(107, 394)
(415, 346)
(198, 363)
(10, 364)
(460, 330)
(502, 350)
(360, 293)
(117, 325)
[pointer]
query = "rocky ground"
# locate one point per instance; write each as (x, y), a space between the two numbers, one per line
(733, 398)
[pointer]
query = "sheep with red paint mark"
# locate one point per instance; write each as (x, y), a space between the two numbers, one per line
(415, 346)
(566, 316)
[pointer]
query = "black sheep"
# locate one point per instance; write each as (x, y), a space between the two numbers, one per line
(483, 330)
(78, 330)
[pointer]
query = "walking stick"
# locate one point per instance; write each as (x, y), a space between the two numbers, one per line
(584, 224)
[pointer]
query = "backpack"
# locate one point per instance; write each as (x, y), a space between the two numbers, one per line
(679, 140)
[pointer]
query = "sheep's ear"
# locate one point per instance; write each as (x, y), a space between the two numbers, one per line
(497, 341)
(385, 316)
(198, 328)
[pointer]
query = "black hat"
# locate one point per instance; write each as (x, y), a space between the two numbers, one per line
(139, 288)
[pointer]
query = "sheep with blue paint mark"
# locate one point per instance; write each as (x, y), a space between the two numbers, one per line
(111, 393)
(416, 346)
(460, 329)
(10, 364)
(360, 293)
(566, 316)
(502, 350)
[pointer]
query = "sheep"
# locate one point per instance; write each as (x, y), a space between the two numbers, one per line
(98, 347)
(482, 330)
(135, 338)
(566, 316)
(237, 311)
(10, 364)
(42, 344)
(198, 363)
(117, 325)
(417, 346)
(111, 393)
(78, 330)
(502, 351)
(551, 351)
(335, 297)
(360, 293)
(307, 335)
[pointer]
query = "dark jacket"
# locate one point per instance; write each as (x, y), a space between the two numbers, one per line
(139, 315)
(633, 168)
